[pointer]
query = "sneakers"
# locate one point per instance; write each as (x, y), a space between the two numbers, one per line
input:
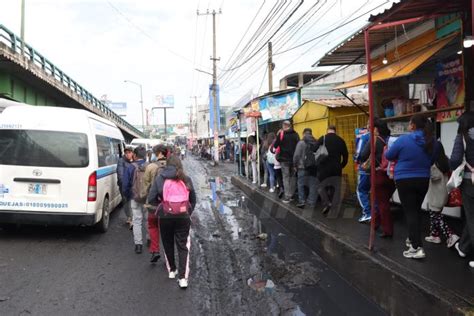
(365, 219)
(433, 239)
(452, 240)
(413, 253)
(461, 254)
(263, 185)
(471, 264)
(138, 249)
(183, 283)
(254, 182)
(408, 242)
(286, 201)
(172, 275)
(155, 256)
(272, 190)
(300, 205)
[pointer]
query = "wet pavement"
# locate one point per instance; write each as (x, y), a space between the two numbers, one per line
(242, 262)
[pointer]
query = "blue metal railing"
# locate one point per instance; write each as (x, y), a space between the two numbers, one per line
(14, 43)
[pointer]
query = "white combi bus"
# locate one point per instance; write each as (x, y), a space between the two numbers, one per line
(58, 166)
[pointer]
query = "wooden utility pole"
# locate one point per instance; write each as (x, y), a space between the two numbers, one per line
(214, 59)
(270, 67)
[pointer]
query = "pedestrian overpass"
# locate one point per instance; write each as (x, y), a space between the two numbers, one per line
(29, 77)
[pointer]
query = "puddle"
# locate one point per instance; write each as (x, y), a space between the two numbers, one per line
(290, 264)
(218, 184)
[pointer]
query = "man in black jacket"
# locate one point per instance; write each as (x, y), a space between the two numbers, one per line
(287, 141)
(330, 170)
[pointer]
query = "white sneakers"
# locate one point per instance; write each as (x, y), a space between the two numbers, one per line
(183, 283)
(413, 253)
(471, 264)
(272, 190)
(433, 239)
(452, 240)
(461, 254)
(172, 275)
(263, 185)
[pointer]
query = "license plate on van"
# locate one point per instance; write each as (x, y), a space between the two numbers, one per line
(37, 188)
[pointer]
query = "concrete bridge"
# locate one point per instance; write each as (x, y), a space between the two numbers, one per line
(29, 77)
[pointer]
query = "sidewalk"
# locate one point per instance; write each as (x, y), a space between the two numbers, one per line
(441, 284)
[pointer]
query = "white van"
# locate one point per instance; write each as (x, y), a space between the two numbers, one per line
(58, 166)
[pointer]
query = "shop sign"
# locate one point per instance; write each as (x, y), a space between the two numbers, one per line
(449, 85)
(280, 107)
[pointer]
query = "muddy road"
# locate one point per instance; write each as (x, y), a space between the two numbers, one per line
(243, 263)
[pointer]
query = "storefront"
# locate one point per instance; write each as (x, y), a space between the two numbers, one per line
(319, 114)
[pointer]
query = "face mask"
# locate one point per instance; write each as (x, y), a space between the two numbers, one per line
(153, 158)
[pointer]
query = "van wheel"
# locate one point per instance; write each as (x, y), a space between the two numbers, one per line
(103, 225)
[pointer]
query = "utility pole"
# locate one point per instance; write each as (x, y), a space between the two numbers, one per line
(22, 33)
(214, 83)
(271, 66)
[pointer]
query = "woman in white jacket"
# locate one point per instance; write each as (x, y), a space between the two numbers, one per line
(437, 197)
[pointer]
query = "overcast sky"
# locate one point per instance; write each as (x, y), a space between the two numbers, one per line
(101, 43)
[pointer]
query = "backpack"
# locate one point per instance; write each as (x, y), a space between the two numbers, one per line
(322, 153)
(309, 159)
(383, 164)
(138, 193)
(175, 198)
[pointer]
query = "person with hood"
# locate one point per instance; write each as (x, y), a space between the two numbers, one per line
(415, 154)
(174, 210)
(437, 197)
(307, 174)
(464, 149)
(363, 179)
(286, 141)
(385, 186)
(151, 172)
(253, 158)
(133, 174)
(122, 165)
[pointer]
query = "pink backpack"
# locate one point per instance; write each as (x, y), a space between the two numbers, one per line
(175, 198)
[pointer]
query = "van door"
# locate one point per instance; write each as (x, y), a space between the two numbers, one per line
(44, 171)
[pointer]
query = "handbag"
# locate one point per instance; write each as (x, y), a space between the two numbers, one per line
(457, 175)
(455, 198)
(322, 153)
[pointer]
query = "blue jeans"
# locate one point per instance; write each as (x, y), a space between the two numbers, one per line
(363, 193)
(305, 179)
(271, 173)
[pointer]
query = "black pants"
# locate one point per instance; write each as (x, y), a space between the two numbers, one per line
(176, 230)
(412, 192)
(466, 244)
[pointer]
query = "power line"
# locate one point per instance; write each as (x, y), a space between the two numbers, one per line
(276, 7)
(143, 32)
(295, 9)
(319, 41)
(330, 31)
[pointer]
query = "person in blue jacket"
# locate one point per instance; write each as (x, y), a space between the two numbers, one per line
(363, 181)
(415, 154)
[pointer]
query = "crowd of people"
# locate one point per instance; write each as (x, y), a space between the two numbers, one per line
(158, 198)
(309, 170)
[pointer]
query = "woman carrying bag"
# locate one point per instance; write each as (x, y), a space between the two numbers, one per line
(463, 152)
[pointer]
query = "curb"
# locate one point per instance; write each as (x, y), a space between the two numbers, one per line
(398, 290)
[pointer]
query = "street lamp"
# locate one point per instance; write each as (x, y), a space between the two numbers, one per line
(141, 100)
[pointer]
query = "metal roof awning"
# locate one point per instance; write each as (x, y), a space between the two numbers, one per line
(351, 51)
(402, 67)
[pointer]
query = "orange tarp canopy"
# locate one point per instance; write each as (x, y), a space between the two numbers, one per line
(402, 67)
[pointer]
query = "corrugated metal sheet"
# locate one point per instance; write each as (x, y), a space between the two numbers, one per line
(402, 67)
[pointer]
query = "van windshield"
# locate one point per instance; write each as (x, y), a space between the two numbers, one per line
(44, 149)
